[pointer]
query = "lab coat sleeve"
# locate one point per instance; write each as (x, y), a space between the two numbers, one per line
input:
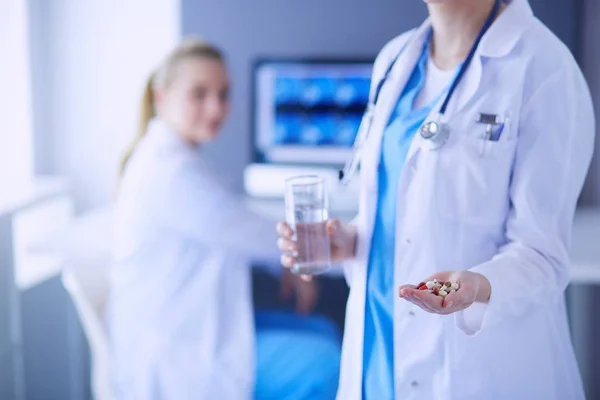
(199, 207)
(553, 153)
(347, 266)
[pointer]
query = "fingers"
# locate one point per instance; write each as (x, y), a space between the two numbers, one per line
(287, 260)
(337, 233)
(430, 300)
(460, 299)
(406, 290)
(464, 295)
(432, 303)
(343, 240)
(454, 306)
(410, 293)
(453, 302)
(452, 299)
(333, 226)
(284, 230)
(416, 301)
(286, 245)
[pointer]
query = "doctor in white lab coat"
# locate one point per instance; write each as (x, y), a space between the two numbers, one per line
(493, 213)
(180, 313)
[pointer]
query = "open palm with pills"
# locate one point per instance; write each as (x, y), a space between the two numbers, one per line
(448, 292)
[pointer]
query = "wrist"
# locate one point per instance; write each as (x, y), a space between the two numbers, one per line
(352, 240)
(484, 289)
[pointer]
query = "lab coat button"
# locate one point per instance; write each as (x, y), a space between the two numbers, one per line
(408, 241)
(414, 384)
(411, 313)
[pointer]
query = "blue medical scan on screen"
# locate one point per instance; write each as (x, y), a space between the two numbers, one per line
(308, 108)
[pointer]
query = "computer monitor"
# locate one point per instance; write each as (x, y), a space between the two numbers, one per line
(309, 111)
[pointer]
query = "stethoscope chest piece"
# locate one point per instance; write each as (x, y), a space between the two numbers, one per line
(435, 133)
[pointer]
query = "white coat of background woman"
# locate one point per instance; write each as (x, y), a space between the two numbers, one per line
(180, 314)
(491, 209)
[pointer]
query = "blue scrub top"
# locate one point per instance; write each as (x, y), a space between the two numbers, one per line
(378, 354)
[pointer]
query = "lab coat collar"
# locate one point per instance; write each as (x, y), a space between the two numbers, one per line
(408, 54)
(159, 131)
(506, 31)
(497, 42)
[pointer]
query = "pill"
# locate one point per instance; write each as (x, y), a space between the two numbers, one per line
(438, 288)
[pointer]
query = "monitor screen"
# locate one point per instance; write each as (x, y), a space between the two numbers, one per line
(308, 112)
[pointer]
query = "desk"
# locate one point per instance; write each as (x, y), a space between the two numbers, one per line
(585, 247)
(14, 235)
(32, 193)
(582, 296)
(585, 255)
(38, 326)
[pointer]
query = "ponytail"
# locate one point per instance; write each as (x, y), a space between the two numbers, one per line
(146, 113)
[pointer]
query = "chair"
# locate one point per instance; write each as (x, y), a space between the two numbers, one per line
(90, 315)
(85, 277)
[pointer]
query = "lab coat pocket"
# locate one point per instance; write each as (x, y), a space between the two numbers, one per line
(473, 177)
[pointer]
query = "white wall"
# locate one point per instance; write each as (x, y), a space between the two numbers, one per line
(16, 164)
(584, 300)
(91, 60)
(590, 62)
(247, 30)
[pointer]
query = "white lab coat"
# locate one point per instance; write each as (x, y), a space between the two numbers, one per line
(180, 313)
(506, 214)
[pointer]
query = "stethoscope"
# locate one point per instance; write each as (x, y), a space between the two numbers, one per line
(435, 132)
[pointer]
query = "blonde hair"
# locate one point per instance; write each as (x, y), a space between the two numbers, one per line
(162, 78)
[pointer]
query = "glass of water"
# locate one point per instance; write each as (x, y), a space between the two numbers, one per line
(306, 211)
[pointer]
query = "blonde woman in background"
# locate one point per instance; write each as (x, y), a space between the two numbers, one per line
(180, 315)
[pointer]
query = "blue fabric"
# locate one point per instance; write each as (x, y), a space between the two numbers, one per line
(297, 358)
(378, 354)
